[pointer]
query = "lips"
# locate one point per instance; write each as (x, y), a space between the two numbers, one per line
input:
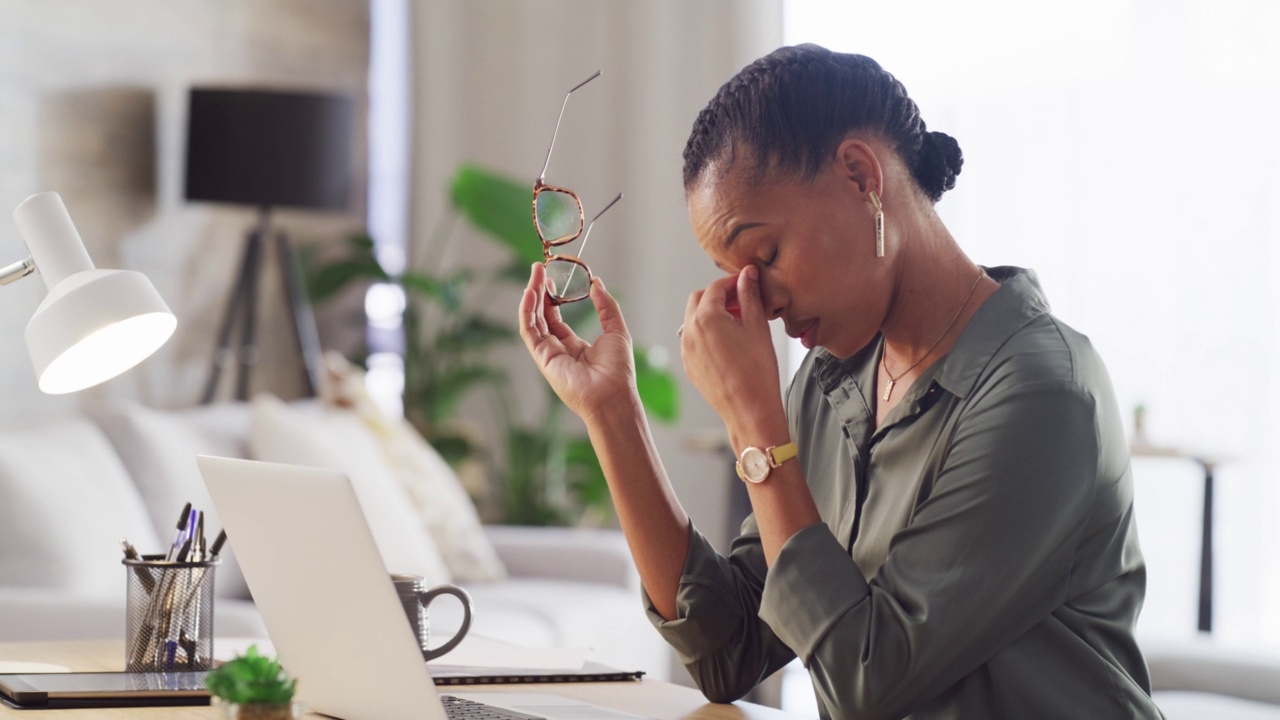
(806, 333)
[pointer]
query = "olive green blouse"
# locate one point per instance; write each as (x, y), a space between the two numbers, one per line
(978, 556)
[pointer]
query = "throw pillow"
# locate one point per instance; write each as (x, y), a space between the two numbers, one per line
(65, 502)
(443, 506)
(338, 440)
(159, 449)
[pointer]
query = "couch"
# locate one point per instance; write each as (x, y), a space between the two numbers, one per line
(71, 488)
(1200, 679)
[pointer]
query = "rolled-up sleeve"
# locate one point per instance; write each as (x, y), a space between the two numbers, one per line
(717, 632)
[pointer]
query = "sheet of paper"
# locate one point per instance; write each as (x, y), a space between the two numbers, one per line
(482, 652)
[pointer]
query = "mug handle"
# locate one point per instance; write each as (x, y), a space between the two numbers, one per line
(426, 596)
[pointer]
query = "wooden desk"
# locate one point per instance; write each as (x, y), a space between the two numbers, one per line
(648, 698)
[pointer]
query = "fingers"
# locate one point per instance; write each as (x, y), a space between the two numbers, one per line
(691, 307)
(533, 327)
(718, 297)
(611, 320)
(532, 321)
(750, 306)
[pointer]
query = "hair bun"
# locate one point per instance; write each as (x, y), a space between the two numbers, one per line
(939, 164)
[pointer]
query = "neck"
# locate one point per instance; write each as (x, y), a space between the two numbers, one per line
(933, 278)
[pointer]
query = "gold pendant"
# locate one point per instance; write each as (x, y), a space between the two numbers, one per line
(888, 391)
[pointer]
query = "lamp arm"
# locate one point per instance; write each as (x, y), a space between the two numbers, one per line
(17, 271)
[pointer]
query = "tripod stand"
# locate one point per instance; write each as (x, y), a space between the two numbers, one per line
(242, 312)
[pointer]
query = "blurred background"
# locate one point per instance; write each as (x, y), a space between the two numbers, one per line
(1124, 149)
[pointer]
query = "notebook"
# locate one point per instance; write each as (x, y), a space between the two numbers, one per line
(327, 601)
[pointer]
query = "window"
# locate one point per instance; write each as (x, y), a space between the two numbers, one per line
(1127, 151)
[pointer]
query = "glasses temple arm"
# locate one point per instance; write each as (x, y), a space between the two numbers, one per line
(588, 233)
(556, 133)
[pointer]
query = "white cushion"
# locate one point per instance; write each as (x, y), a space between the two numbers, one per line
(445, 509)
(159, 448)
(1179, 705)
(338, 440)
(65, 502)
(56, 615)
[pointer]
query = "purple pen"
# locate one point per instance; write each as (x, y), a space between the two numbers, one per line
(181, 535)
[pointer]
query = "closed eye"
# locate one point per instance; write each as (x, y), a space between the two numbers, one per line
(772, 256)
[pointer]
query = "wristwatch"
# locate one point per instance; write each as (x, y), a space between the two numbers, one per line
(755, 464)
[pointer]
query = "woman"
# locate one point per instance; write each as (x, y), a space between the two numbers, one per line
(951, 534)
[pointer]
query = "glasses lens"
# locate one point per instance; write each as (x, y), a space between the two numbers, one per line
(559, 216)
(567, 281)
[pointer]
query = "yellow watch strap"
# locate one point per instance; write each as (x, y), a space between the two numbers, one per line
(782, 453)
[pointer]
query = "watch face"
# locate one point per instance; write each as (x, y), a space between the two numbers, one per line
(755, 466)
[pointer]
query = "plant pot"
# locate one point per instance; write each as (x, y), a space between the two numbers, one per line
(261, 711)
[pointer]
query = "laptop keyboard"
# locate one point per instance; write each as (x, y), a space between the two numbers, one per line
(458, 709)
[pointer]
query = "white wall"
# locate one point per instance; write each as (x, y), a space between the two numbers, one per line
(490, 79)
(93, 105)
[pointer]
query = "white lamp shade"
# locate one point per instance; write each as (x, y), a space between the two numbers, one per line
(94, 325)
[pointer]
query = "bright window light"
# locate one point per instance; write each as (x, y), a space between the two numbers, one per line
(1125, 151)
(384, 305)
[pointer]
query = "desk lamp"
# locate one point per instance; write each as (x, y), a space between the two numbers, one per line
(94, 324)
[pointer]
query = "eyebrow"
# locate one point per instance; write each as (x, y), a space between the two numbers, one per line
(733, 234)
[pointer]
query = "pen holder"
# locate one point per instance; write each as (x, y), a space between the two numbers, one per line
(169, 614)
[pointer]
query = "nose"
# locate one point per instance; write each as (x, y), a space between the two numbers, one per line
(771, 299)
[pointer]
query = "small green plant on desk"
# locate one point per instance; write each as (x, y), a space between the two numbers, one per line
(253, 687)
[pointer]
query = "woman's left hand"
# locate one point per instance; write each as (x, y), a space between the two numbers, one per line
(730, 358)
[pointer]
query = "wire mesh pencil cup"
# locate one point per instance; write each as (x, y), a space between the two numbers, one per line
(169, 614)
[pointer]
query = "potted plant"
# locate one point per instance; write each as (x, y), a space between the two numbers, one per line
(543, 473)
(253, 687)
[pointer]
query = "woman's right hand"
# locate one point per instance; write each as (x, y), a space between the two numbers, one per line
(587, 376)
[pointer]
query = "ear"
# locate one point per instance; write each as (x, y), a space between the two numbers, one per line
(858, 163)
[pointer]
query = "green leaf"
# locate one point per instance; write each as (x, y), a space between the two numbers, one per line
(361, 242)
(328, 280)
(452, 447)
(524, 492)
(448, 388)
(474, 333)
(447, 291)
(658, 389)
(501, 207)
(588, 482)
(251, 678)
(517, 271)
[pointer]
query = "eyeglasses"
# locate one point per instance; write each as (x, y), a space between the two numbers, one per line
(558, 216)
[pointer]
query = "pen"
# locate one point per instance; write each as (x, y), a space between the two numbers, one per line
(144, 577)
(197, 544)
(217, 543)
(182, 552)
(181, 534)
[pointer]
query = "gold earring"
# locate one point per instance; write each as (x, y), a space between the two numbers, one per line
(875, 200)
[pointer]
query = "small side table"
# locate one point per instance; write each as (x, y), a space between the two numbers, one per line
(1140, 448)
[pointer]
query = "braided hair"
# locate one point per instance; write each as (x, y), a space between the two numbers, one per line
(792, 108)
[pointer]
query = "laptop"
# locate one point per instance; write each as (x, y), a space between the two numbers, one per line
(328, 603)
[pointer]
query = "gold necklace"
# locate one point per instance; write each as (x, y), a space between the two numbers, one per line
(884, 342)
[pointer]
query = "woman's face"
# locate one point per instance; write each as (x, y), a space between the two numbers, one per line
(814, 246)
